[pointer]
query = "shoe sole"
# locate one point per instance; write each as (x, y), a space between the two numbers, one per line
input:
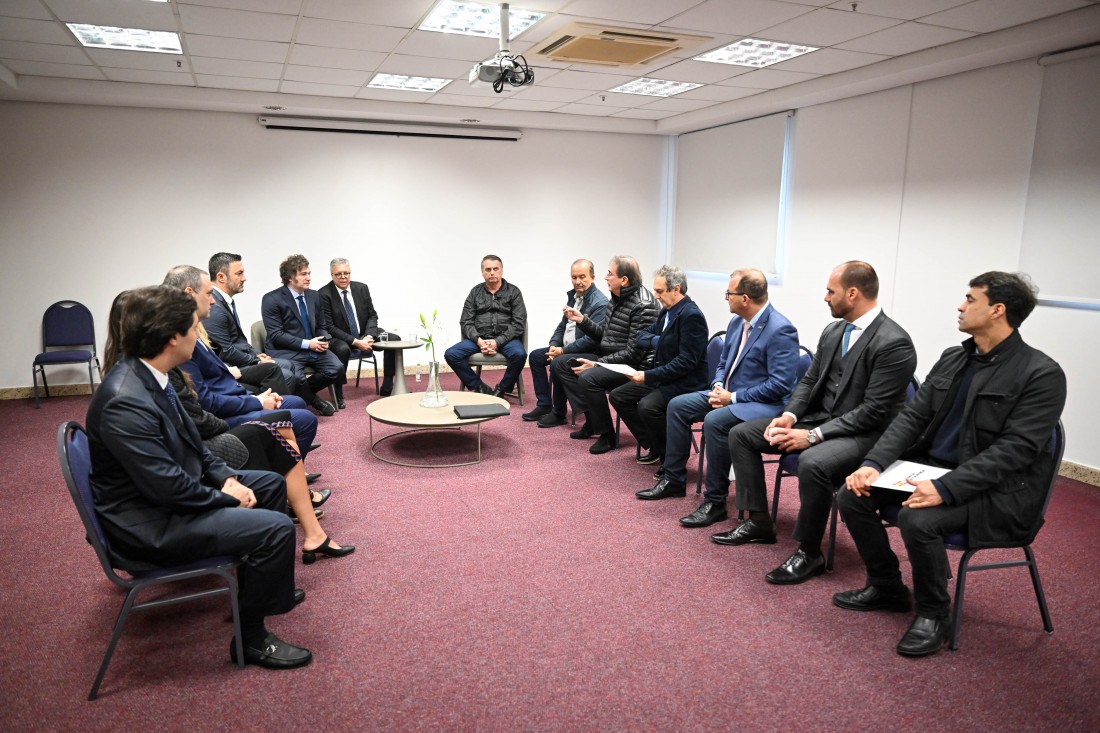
(922, 652)
(707, 523)
(648, 461)
(893, 608)
(754, 541)
(796, 581)
(662, 496)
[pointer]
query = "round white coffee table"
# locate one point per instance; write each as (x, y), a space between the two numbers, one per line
(398, 349)
(405, 411)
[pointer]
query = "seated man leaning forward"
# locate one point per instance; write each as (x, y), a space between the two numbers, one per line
(754, 379)
(986, 411)
(614, 342)
(678, 340)
(164, 499)
(550, 404)
(493, 319)
(854, 387)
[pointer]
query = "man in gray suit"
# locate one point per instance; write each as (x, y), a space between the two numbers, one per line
(853, 389)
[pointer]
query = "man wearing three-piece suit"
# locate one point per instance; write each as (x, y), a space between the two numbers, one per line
(297, 330)
(754, 379)
(855, 386)
(353, 321)
(164, 499)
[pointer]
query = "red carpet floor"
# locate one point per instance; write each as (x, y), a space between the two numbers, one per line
(531, 592)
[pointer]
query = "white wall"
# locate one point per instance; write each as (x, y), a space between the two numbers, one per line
(94, 200)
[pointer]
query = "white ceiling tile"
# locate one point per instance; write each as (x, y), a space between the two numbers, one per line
(906, 38)
(461, 86)
(319, 90)
(522, 104)
(736, 17)
(543, 6)
(315, 32)
(902, 9)
(828, 61)
(587, 80)
(405, 14)
(826, 27)
(147, 76)
(320, 75)
(718, 93)
(650, 12)
(616, 99)
(984, 16)
(119, 59)
(42, 52)
(422, 66)
(700, 72)
(35, 31)
(231, 82)
(235, 48)
(237, 23)
(552, 94)
(236, 67)
(448, 46)
(459, 100)
(335, 58)
(285, 7)
(588, 109)
(392, 95)
(25, 9)
(43, 68)
(680, 105)
(646, 114)
(145, 15)
(768, 79)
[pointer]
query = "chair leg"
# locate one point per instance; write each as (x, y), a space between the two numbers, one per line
(1040, 596)
(115, 636)
(834, 515)
(775, 493)
(34, 378)
(377, 389)
(91, 379)
(960, 590)
(358, 372)
(238, 639)
(699, 476)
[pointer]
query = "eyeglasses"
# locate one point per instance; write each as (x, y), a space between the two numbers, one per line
(728, 294)
(341, 274)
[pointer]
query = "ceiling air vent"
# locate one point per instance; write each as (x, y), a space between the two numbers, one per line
(587, 43)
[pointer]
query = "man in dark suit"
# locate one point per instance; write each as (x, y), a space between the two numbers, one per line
(986, 411)
(163, 499)
(297, 330)
(753, 380)
(228, 337)
(353, 321)
(678, 340)
(854, 387)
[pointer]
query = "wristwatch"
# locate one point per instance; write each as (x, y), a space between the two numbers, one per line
(811, 437)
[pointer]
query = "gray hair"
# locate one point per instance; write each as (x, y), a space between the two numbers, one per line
(673, 277)
(339, 261)
(182, 277)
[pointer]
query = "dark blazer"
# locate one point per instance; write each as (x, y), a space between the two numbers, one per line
(223, 329)
(679, 349)
(332, 306)
(595, 307)
(766, 374)
(877, 371)
(1015, 399)
(147, 466)
(284, 326)
(218, 391)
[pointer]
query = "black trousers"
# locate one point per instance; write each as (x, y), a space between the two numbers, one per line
(343, 353)
(264, 376)
(588, 392)
(922, 530)
(643, 409)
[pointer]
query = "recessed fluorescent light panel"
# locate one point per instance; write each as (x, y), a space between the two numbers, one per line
(755, 52)
(408, 83)
(128, 39)
(655, 87)
(477, 19)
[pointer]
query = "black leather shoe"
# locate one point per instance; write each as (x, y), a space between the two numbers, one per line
(387, 388)
(649, 457)
(659, 474)
(323, 493)
(551, 420)
(926, 636)
(664, 489)
(311, 477)
(341, 405)
(744, 533)
(327, 550)
(583, 432)
(485, 389)
(499, 391)
(299, 596)
(606, 442)
(274, 653)
(798, 568)
(536, 413)
(290, 513)
(873, 598)
(323, 407)
(707, 514)
(314, 446)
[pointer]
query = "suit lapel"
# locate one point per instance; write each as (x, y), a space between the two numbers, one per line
(183, 426)
(855, 352)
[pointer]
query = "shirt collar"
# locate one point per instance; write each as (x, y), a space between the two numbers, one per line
(161, 377)
(864, 322)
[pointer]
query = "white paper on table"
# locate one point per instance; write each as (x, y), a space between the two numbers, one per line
(624, 369)
(896, 474)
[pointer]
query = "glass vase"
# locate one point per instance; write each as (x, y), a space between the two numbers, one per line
(434, 396)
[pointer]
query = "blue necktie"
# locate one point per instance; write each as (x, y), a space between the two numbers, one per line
(175, 400)
(353, 327)
(304, 315)
(847, 337)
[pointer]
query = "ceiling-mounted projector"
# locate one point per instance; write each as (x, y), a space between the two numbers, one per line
(506, 67)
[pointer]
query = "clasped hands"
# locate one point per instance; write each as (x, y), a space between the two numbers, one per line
(487, 346)
(924, 492)
(270, 400)
(240, 492)
(782, 434)
(316, 344)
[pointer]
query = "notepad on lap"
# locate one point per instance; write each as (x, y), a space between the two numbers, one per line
(896, 474)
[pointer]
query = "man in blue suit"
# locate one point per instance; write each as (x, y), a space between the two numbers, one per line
(678, 340)
(219, 392)
(754, 379)
(297, 331)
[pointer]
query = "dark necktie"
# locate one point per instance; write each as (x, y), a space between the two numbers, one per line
(847, 337)
(353, 327)
(237, 318)
(175, 400)
(304, 315)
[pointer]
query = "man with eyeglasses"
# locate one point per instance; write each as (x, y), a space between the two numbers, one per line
(754, 379)
(353, 321)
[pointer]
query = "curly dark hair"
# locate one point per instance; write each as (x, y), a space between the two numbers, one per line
(291, 266)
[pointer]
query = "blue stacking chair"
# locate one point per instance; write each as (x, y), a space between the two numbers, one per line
(65, 324)
(76, 465)
(715, 345)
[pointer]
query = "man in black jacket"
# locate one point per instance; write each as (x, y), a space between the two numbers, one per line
(493, 321)
(986, 411)
(615, 338)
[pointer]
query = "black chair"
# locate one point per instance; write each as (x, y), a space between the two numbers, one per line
(361, 357)
(958, 541)
(65, 324)
(72, 450)
(258, 335)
